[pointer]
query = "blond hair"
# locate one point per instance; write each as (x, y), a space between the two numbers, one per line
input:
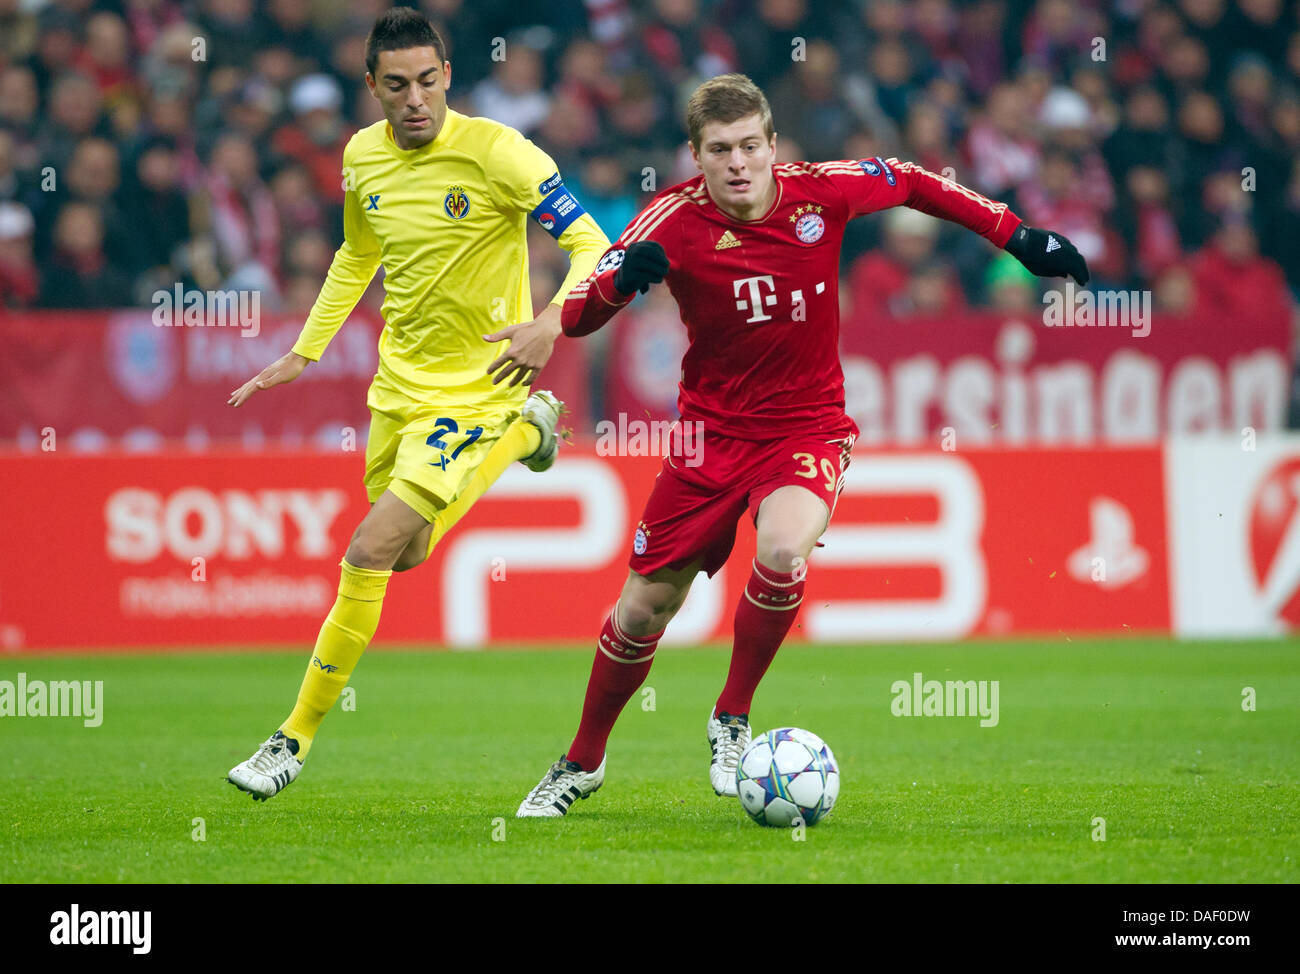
(725, 99)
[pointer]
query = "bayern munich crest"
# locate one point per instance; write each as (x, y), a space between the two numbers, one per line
(809, 228)
(638, 543)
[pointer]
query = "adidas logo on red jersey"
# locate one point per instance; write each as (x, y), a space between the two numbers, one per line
(728, 239)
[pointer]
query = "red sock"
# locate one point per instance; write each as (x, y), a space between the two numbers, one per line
(621, 666)
(764, 615)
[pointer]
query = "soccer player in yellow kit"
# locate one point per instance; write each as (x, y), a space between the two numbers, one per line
(441, 200)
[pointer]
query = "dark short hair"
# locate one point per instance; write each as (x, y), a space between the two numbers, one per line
(397, 29)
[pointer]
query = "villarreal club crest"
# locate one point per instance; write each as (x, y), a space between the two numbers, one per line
(456, 203)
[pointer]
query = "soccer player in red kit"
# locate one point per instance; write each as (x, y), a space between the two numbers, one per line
(751, 250)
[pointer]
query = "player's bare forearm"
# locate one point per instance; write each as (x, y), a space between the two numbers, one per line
(530, 348)
(284, 369)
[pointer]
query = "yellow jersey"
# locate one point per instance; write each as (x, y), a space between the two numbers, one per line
(448, 222)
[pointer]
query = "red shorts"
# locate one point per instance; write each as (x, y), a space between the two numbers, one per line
(700, 494)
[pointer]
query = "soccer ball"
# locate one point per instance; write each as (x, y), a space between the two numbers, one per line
(786, 776)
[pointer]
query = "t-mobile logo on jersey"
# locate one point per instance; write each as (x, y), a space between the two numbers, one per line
(757, 300)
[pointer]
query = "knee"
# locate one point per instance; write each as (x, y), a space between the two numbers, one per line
(781, 556)
(363, 552)
(636, 617)
(641, 616)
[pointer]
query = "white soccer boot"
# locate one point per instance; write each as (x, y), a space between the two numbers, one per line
(543, 410)
(559, 788)
(728, 739)
(270, 770)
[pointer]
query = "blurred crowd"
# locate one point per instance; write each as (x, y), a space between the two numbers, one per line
(146, 142)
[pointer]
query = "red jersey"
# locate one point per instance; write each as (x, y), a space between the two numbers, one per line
(760, 298)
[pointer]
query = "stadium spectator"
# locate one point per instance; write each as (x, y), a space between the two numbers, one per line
(1232, 277)
(765, 41)
(928, 140)
(19, 108)
(20, 284)
(296, 202)
(152, 194)
(147, 19)
(10, 187)
(1143, 136)
(601, 184)
(1058, 32)
(513, 94)
(170, 67)
(682, 47)
(584, 91)
(636, 119)
(253, 109)
(56, 45)
(1149, 227)
(1058, 198)
(980, 32)
(813, 106)
(880, 282)
(317, 135)
(585, 76)
(1067, 121)
(105, 58)
(931, 291)
(569, 132)
(1001, 145)
(1282, 223)
(1010, 287)
(94, 175)
(290, 27)
(74, 112)
(79, 274)
(233, 31)
(18, 30)
(1174, 290)
(241, 213)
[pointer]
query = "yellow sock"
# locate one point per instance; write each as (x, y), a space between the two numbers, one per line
(344, 636)
(521, 440)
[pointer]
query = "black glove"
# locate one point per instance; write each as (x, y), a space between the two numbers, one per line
(1047, 254)
(644, 263)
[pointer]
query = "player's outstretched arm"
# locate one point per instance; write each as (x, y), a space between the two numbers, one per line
(875, 184)
(284, 369)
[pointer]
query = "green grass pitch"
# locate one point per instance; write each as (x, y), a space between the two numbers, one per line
(421, 781)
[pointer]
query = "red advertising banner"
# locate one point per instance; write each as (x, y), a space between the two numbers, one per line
(178, 551)
(96, 380)
(1015, 381)
(1011, 380)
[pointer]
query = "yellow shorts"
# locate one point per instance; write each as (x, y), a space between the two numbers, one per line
(425, 454)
